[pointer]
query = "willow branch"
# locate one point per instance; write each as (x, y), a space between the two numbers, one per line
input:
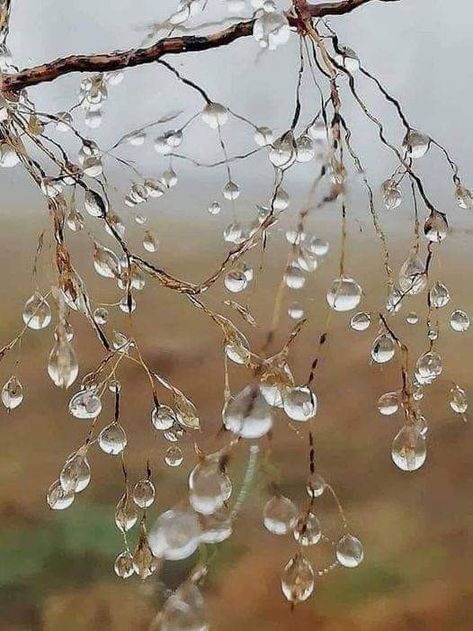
(167, 46)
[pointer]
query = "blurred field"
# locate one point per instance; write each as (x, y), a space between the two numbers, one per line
(56, 569)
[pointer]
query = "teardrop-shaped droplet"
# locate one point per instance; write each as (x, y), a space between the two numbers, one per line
(62, 366)
(439, 295)
(12, 393)
(307, 531)
(37, 312)
(344, 294)
(106, 262)
(388, 403)
(349, 551)
(123, 565)
(409, 449)
(300, 403)
(112, 439)
(297, 581)
(360, 321)
(144, 493)
(248, 414)
(280, 515)
(126, 515)
(175, 534)
(412, 276)
(460, 321)
(58, 498)
(75, 474)
(209, 486)
(383, 348)
(85, 404)
(436, 227)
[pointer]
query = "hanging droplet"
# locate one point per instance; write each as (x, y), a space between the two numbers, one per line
(460, 321)
(464, 197)
(344, 294)
(263, 136)
(175, 535)
(184, 610)
(209, 487)
(123, 565)
(280, 515)
(297, 581)
(57, 498)
(144, 493)
(294, 278)
(126, 515)
(94, 204)
(12, 393)
(409, 449)
(85, 404)
(283, 151)
(383, 348)
(439, 295)
(231, 190)
(62, 365)
(412, 276)
(101, 315)
(304, 149)
(318, 131)
(349, 551)
(412, 318)
(394, 300)
(360, 321)
(458, 400)
(75, 220)
(391, 195)
(144, 562)
(106, 262)
(112, 439)
(307, 531)
(235, 281)
(75, 474)
(173, 456)
(247, 414)
(429, 366)
(163, 417)
(216, 527)
(295, 311)
(436, 227)
(299, 403)
(37, 312)
(237, 349)
(348, 59)
(388, 403)
(416, 144)
(214, 208)
(215, 115)
(315, 485)
(150, 243)
(8, 156)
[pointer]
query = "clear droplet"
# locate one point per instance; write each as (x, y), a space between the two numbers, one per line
(297, 581)
(236, 281)
(360, 321)
(126, 515)
(436, 227)
(409, 449)
(112, 439)
(307, 531)
(416, 144)
(458, 400)
(299, 403)
(344, 294)
(439, 295)
(283, 151)
(231, 190)
(106, 262)
(62, 365)
(144, 493)
(174, 456)
(209, 487)
(101, 315)
(412, 318)
(388, 403)
(175, 534)
(280, 515)
(214, 115)
(214, 208)
(37, 312)
(57, 498)
(349, 551)
(248, 414)
(460, 321)
(12, 393)
(412, 277)
(383, 348)
(123, 565)
(184, 610)
(150, 243)
(75, 474)
(163, 418)
(295, 311)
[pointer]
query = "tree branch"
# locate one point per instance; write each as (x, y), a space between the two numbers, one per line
(167, 46)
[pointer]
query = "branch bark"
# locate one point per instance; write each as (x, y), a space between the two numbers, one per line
(167, 46)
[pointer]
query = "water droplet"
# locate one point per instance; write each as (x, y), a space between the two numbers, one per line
(75, 474)
(112, 439)
(299, 403)
(283, 151)
(344, 294)
(428, 367)
(144, 493)
(280, 515)
(263, 136)
(85, 404)
(126, 515)
(173, 457)
(360, 321)
(409, 449)
(12, 393)
(123, 565)
(412, 277)
(235, 281)
(436, 227)
(295, 311)
(209, 487)
(101, 315)
(248, 414)
(383, 349)
(214, 208)
(37, 312)
(439, 295)
(388, 403)
(175, 535)
(62, 366)
(416, 144)
(307, 531)
(184, 610)
(214, 115)
(458, 400)
(57, 498)
(163, 418)
(412, 318)
(315, 485)
(297, 582)
(150, 243)
(106, 262)
(304, 149)
(231, 190)
(349, 551)
(293, 277)
(460, 321)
